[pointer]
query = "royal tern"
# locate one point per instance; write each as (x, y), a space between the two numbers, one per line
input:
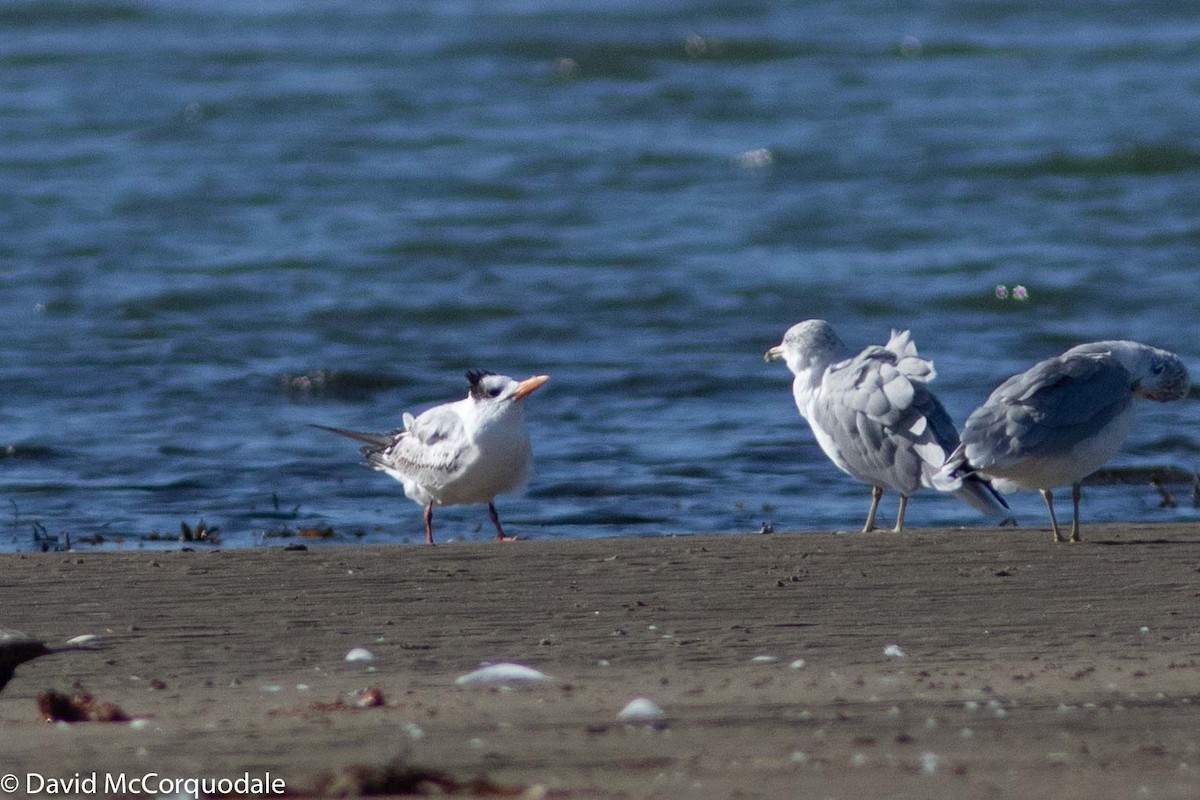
(874, 416)
(1061, 420)
(467, 451)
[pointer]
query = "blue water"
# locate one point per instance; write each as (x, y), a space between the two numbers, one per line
(221, 221)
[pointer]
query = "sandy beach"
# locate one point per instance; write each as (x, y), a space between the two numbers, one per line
(1017, 668)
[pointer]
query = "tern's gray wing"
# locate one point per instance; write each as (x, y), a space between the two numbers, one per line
(432, 449)
(1048, 409)
(873, 408)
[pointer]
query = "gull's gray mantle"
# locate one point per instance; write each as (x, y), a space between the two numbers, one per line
(1062, 419)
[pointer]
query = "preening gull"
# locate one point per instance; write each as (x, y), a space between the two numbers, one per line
(1061, 420)
(875, 417)
(467, 451)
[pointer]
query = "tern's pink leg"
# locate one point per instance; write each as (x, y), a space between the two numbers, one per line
(501, 536)
(429, 524)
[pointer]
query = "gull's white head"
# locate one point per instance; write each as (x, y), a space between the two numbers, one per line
(499, 391)
(806, 345)
(1157, 374)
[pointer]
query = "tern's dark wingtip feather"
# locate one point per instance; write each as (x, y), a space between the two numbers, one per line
(373, 439)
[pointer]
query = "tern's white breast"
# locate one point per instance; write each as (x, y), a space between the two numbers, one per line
(499, 462)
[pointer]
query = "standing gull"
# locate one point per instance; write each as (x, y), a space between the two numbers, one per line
(1061, 420)
(874, 416)
(467, 451)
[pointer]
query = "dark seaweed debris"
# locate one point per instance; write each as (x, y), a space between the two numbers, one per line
(78, 707)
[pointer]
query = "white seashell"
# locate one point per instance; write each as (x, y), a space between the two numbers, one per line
(893, 651)
(85, 639)
(764, 659)
(798, 663)
(640, 710)
(360, 654)
(501, 673)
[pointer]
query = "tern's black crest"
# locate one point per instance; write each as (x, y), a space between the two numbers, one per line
(474, 376)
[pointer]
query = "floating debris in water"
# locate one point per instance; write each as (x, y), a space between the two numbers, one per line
(1168, 499)
(336, 384)
(754, 159)
(1134, 476)
(503, 672)
(698, 46)
(360, 654)
(201, 533)
(316, 533)
(911, 47)
(1018, 292)
(566, 67)
(641, 709)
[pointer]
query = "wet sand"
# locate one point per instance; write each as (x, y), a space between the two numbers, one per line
(1030, 670)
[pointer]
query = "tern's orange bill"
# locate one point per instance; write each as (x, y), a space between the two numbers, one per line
(528, 385)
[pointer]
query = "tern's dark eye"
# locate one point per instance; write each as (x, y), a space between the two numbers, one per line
(1157, 369)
